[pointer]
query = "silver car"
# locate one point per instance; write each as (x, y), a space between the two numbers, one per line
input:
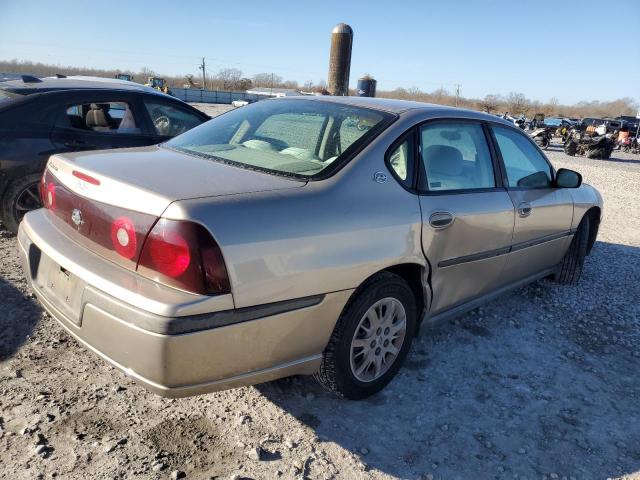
(298, 236)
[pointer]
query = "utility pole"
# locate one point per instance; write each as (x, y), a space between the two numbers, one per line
(204, 74)
(457, 85)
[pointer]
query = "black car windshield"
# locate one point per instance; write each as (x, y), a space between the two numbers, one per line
(285, 136)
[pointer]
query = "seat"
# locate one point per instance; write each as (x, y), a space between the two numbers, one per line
(128, 124)
(98, 118)
(445, 168)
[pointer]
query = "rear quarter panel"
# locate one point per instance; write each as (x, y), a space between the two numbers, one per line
(325, 237)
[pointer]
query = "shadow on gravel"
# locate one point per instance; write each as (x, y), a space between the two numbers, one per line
(19, 315)
(541, 381)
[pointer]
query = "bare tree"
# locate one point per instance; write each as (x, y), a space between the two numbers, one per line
(267, 80)
(517, 103)
(489, 103)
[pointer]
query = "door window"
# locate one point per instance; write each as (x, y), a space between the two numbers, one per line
(104, 117)
(169, 120)
(455, 156)
(526, 167)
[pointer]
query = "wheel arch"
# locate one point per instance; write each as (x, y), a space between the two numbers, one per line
(594, 214)
(417, 276)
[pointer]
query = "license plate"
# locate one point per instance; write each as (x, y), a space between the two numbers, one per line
(62, 288)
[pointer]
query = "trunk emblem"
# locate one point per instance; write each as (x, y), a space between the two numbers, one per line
(76, 217)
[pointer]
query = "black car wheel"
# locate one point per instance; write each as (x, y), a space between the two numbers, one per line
(22, 196)
(371, 338)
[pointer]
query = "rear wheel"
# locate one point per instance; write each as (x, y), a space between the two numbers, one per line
(21, 196)
(371, 338)
(570, 148)
(572, 262)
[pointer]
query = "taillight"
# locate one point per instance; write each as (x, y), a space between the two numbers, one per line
(123, 237)
(47, 193)
(184, 255)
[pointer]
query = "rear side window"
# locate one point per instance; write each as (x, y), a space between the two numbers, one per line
(525, 165)
(455, 156)
(104, 117)
(400, 160)
(169, 120)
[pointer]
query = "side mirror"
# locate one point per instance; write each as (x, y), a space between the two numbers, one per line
(566, 178)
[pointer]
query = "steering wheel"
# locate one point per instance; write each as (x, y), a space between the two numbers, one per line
(162, 124)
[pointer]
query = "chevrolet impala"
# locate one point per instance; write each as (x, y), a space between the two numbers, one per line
(298, 236)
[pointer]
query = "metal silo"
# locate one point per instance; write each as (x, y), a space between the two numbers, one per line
(340, 59)
(366, 86)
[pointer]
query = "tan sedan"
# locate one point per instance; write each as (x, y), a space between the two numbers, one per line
(298, 236)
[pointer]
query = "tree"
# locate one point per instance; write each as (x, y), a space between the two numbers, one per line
(267, 80)
(489, 103)
(517, 103)
(229, 78)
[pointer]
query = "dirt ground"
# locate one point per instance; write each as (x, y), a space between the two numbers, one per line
(541, 383)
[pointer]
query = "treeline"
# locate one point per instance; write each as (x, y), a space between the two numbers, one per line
(518, 104)
(233, 79)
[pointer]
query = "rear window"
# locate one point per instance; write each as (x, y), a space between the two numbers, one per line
(290, 137)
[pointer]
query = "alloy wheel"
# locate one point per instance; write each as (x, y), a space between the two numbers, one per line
(378, 339)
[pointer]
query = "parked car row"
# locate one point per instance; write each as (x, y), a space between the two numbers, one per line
(42, 117)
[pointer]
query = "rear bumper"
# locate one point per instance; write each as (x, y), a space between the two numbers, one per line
(250, 346)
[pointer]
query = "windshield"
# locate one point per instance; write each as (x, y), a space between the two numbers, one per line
(289, 137)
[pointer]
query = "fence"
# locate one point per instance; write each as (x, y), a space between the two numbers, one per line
(213, 96)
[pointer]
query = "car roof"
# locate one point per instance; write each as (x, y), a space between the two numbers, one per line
(400, 106)
(48, 84)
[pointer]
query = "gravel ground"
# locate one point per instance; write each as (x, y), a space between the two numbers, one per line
(542, 383)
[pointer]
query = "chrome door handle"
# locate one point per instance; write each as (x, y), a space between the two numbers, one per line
(524, 209)
(440, 219)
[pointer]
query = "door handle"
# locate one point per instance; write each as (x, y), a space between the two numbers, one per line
(524, 209)
(440, 219)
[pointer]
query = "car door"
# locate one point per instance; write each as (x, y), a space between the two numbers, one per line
(98, 121)
(543, 213)
(467, 215)
(167, 119)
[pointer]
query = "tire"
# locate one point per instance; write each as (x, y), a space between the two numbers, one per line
(545, 143)
(572, 262)
(336, 372)
(597, 153)
(18, 199)
(571, 148)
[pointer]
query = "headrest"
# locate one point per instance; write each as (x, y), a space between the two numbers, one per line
(444, 159)
(96, 117)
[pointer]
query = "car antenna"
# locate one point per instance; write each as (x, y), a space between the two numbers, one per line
(30, 79)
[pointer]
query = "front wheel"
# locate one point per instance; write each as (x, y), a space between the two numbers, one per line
(371, 338)
(21, 196)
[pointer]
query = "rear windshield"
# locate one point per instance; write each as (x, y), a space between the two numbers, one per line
(289, 137)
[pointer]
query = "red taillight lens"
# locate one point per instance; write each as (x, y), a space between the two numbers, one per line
(123, 237)
(48, 194)
(184, 255)
(169, 252)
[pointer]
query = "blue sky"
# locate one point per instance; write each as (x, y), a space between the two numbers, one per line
(545, 48)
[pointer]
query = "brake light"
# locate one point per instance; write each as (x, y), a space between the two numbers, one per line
(184, 255)
(85, 177)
